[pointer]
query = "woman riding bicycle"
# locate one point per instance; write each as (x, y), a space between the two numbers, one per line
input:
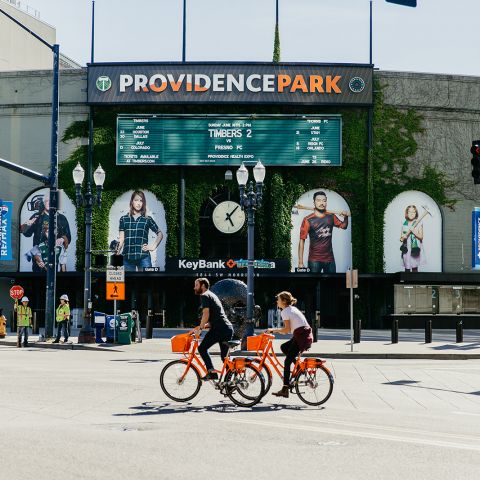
(294, 322)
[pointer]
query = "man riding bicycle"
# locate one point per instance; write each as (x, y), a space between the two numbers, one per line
(213, 316)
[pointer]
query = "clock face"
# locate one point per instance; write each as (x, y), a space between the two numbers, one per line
(228, 217)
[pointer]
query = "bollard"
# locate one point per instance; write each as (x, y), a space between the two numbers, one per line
(149, 325)
(428, 331)
(34, 324)
(357, 330)
(13, 322)
(316, 326)
(133, 335)
(459, 331)
(395, 330)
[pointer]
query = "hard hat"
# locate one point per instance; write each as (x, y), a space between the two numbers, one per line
(25, 299)
(64, 297)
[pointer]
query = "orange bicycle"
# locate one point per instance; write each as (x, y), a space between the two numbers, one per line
(239, 380)
(311, 380)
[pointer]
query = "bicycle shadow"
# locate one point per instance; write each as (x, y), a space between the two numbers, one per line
(167, 408)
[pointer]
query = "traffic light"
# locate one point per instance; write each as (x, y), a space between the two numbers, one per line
(475, 161)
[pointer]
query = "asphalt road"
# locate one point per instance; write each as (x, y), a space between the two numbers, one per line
(101, 414)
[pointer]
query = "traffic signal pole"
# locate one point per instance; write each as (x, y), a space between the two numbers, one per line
(52, 181)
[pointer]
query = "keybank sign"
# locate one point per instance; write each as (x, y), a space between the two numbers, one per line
(201, 264)
(318, 84)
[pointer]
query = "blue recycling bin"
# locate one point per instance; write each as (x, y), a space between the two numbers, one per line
(99, 321)
(110, 328)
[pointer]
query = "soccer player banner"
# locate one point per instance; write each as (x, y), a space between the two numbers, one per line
(34, 233)
(321, 233)
(412, 234)
(138, 231)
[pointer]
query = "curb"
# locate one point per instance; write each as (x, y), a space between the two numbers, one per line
(344, 355)
(65, 346)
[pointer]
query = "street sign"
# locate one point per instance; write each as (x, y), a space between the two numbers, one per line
(276, 140)
(116, 276)
(115, 291)
(16, 292)
(406, 3)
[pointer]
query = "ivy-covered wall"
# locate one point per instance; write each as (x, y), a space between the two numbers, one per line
(394, 146)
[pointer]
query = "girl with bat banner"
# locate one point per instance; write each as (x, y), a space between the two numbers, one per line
(411, 237)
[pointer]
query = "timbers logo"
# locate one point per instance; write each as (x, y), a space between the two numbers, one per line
(103, 83)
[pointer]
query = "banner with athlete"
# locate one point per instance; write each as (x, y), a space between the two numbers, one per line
(321, 233)
(138, 231)
(34, 233)
(412, 234)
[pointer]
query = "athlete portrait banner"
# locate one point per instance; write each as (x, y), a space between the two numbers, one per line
(138, 231)
(412, 234)
(321, 233)
(34, 233)
(6, 230)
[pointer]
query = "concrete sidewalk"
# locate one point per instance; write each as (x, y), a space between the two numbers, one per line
(331, 344)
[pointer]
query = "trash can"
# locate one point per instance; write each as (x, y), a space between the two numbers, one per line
(110, 328)
(124, 328)
(99, 321)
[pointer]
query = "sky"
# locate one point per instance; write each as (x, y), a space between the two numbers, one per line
(439, 36)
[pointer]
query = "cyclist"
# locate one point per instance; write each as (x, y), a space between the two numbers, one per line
(294, 322)
(213, 316)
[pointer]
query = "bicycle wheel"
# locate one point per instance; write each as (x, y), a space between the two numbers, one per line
(178, 383)
(267, 375)
(245, 387)
(314, 385)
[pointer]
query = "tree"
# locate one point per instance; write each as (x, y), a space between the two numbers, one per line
(276, 45)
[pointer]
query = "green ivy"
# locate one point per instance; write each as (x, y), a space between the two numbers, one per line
(394, 145)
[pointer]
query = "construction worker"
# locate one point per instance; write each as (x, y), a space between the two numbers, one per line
(24, 321)
(3, 324)
(63, 317)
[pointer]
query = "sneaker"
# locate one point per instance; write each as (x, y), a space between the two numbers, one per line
(56, 341)
(210, 376)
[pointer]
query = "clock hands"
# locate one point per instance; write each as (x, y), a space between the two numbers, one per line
(228, 215)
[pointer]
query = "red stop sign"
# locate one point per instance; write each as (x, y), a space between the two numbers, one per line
(16, 292)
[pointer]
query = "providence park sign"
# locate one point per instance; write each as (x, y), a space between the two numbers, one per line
(170, 83)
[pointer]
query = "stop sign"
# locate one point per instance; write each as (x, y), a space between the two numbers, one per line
(16, 292)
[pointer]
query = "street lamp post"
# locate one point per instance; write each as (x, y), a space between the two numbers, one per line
(250, 200)
(88, 200)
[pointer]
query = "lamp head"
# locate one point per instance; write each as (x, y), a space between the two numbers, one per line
(259, 172)
(242, 175)
(99, 176)
(78, 174)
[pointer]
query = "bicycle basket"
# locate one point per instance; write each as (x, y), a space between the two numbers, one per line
(257, 342)
(181, 343)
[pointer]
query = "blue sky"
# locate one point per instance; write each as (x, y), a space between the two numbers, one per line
(438, 36)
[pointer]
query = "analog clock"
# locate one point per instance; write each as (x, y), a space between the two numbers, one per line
(228, 217)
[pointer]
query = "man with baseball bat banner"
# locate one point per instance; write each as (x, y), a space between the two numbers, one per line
(318, 227)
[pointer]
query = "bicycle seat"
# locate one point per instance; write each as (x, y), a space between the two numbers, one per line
(232, 343)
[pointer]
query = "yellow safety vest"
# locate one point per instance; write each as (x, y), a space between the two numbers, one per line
(24, 316)
(63, 312)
